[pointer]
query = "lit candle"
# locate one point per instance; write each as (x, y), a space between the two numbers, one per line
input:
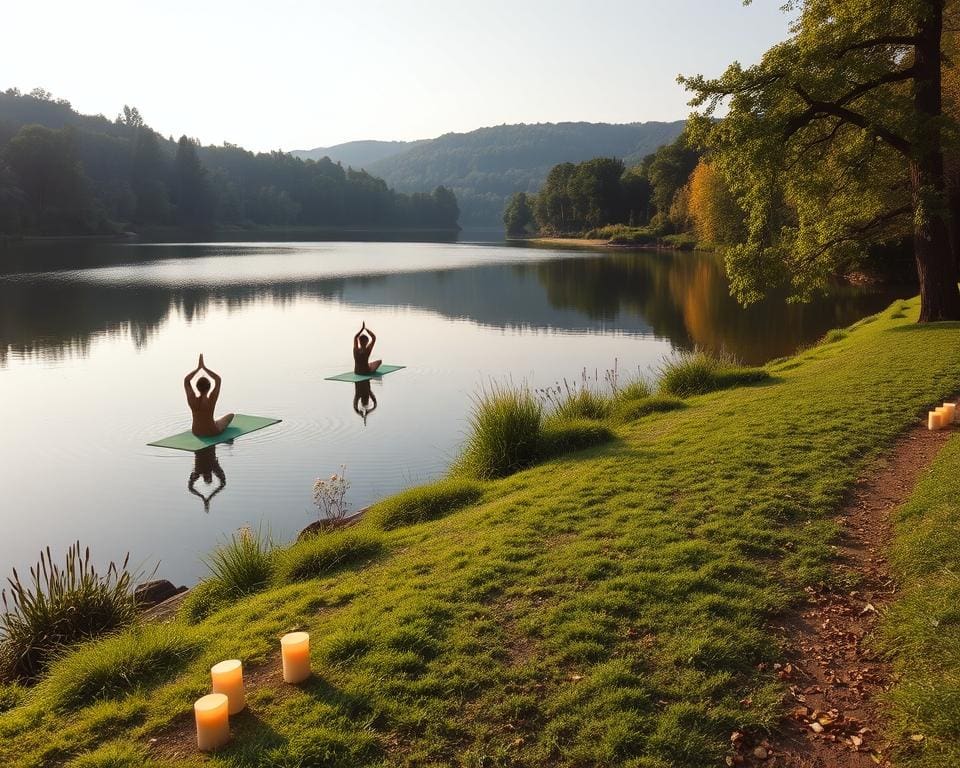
(944, 416)
(213, 721)
(295, 650)
(933, 420)
(227, 677)
(951, 409)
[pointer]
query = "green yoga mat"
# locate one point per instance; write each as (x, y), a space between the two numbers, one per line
(241, 425)
(383, 370)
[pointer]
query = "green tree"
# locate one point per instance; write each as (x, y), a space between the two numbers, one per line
(11, 200)
(637, 196)
(55, 192)
(518, 216)
(194, 198)
(668, 170)
(148, 172)
(834, 142)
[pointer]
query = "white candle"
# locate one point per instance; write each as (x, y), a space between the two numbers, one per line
(943, 416)
(227, 678)
(951, 409)
(213, 721)
(933, 420)
(295, 650)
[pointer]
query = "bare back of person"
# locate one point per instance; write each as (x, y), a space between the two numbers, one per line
(362, 347)
(203, 401)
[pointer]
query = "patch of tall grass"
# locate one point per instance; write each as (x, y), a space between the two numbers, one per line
(243, 564)
(427, 502)
(697, 372)
(59, 606)
(117, 665)
(324, 554)
(505, 425)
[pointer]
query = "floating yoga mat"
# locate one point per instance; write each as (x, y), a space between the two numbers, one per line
(241, 425)
(383, 370)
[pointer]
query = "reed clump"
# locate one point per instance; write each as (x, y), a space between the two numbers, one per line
(59, 606)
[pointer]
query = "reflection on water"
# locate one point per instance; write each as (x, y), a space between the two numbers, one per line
(364, 401)
(206, 466)
(93, 339)
(680, 297)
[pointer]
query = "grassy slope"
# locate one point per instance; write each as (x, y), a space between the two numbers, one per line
(603, 608)
(923, 627)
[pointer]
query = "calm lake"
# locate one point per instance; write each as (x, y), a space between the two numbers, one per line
(95, 340)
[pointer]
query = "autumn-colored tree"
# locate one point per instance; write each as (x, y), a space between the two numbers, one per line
(845, 122)
(716, 217)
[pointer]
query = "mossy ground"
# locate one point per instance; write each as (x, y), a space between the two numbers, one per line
(605, 607)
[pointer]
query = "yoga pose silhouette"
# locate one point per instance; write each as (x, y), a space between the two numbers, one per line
(203, 401)
(362, 347)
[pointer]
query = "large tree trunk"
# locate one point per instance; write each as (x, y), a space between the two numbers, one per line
(936, 266)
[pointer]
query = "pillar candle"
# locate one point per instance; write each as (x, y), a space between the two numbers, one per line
(227, 677)
(213, 721)
(295, 650)
(933, 420)
(951, 409)
(944, 416)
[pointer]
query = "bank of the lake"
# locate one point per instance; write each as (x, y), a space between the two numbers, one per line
(607, 607)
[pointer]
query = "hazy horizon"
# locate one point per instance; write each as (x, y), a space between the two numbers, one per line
(299, 78)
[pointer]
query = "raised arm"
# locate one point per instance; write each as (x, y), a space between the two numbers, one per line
(187, 387)
(373, 338)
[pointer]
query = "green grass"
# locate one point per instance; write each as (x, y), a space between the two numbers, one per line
(563, 435)
(118, 665)
(604, 607)
(243, 564)
(59, 606)
(328, 553)
(696, 373)
(504, 433)
(583, 403)
(625, 410)
(922, 629)
(427, 502)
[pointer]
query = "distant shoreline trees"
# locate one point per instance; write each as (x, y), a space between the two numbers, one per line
(62, 173)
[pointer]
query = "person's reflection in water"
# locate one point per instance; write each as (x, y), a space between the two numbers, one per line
(205, 465)
(364, 401)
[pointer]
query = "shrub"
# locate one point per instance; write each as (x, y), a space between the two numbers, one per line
(505, 426)
(117, 665)
(243, 564)
(329, 496)
(631, 410)
(61, 607)
(682, 242)
(427, 502)
(695, 373)
(583, 403)
(564, 435)
(322, 555)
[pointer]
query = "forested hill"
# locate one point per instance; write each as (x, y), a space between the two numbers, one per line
(357, 154)
(485, 167)
(63, 173)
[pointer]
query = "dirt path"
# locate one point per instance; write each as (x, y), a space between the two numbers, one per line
(834, 719)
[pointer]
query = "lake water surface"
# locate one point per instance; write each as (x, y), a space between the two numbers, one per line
(96, 338)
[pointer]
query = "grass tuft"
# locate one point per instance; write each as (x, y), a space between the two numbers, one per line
(242, 565)
(836, 334)
(696, 373)
(505, 425)
(562, 435)
(205, 598)
(322, 555)
(61, 606)
(118, 665)
(428, 502)
(583, 403)
(631, 410)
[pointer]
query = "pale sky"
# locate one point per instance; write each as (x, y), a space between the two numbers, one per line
(282, 74)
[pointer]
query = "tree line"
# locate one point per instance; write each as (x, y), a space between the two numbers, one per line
(841, 143)
(64, 174)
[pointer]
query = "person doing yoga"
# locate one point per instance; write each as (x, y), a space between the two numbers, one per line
(203, 401)
(362, 347)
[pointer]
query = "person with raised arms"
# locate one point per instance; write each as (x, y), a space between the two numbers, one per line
(203, 401)
(362, 347)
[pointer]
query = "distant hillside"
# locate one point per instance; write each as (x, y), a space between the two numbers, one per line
(486, 166)
(357, 154)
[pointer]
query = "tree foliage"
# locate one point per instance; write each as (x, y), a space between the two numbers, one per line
(835, 142)
(65, 173)
(518, 218)
(713, 211)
